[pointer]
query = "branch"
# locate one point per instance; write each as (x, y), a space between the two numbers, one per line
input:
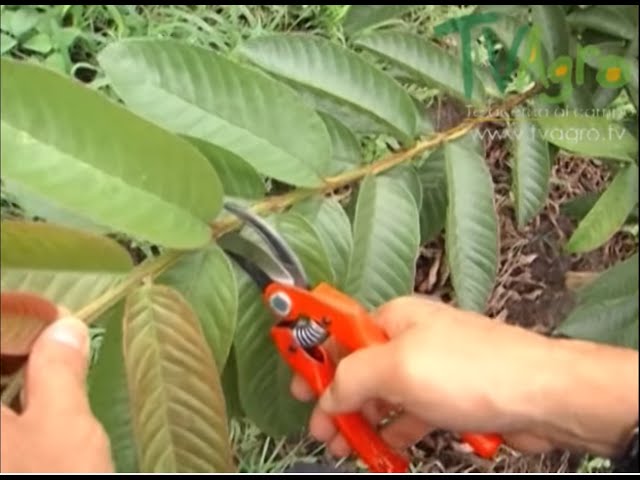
(150, 269)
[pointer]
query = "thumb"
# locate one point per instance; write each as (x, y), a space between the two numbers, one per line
(360, 376)
(57, 368)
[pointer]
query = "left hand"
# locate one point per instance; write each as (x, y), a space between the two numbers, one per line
(56, 431)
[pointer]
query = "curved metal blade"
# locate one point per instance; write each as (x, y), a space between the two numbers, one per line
(259, 264)
(287, 259)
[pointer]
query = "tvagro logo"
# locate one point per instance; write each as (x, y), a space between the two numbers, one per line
(613, 71)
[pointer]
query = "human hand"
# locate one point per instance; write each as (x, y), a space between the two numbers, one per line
(56, 431)
(460, 371)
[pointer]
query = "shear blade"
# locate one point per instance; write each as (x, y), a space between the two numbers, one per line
(281, 265)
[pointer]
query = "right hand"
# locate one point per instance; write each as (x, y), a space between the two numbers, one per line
(453, 370)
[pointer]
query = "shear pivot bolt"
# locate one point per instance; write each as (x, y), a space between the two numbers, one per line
(280, 303)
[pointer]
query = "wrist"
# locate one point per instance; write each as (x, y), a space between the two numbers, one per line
(587, 399)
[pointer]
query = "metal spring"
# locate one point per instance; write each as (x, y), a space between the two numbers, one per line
(309, 334)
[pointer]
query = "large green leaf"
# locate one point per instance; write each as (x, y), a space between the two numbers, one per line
(551, 20)
(177, 403)
(239, 179)
(607, 309)
(531, 170)
(67, 267)
(200, 93)
(337, 81)
(386, 240)
(609, 213)
(334, 230)
(345, 147)
(264, 379)
(408, 176)
(109, 395)
(205, 279)
(424, 61)
(612, 20)
(231, 388)
(37, 206)
(305, 241)
(360, 17)
(472, 226)
(432, 172)
(84, 153)
(588, 135)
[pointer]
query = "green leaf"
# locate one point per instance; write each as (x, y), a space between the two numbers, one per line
(619, 280)
(360, 17)
(424, 61)
(616, 48)
(264, 379)
(501, 9)
(531, 170)
(408, 176)
(589, 135)
(552, 22)
(331, 223)
(346, 149)
(305, 241)
(39, 43)
(200, 93)
(432, 172)
(578, 207)
(337, 81)
(58, 135)
(68, 267)
(608, 214)
(386, 241)
(22, 21)
(472, 226)
(109, 395)
(178, 406)
(611, 20)
(607, 309)
(6, 43)
(632, 86)
(37, 206)
(604, 96)
(231, 388)
(206, 281)
(239, 178)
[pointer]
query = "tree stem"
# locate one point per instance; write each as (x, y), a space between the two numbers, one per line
(154, 267)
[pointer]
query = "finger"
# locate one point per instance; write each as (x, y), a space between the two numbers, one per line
(56, 371)
(527, 443)
(321, 426)
(404, 431)
(338, 447)
(361, 376)
(301, 390)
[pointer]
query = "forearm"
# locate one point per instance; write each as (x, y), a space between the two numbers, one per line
(589, 399)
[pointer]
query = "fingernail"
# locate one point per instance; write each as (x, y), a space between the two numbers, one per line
(71, 332)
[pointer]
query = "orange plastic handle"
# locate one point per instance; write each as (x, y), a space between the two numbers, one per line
(318, 372)
(350, 324)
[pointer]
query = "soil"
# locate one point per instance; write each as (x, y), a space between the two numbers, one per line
(534, 289)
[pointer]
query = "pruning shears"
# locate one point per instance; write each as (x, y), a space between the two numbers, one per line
(307, 317)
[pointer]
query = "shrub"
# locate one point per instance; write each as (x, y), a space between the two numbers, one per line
(283, 123)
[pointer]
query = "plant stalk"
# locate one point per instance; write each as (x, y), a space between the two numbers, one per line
(150, 269)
